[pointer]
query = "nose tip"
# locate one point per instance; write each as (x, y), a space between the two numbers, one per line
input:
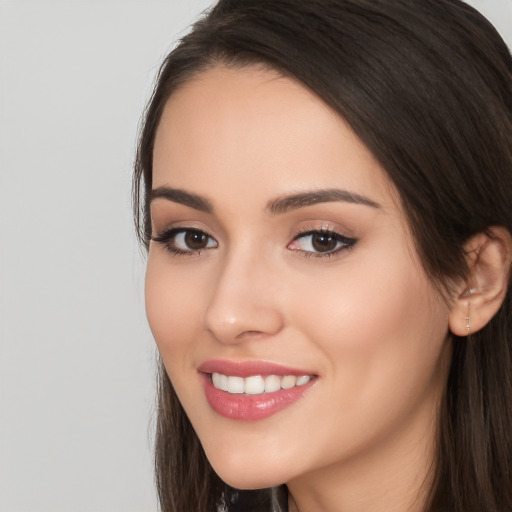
(242, 321)
(243, 309)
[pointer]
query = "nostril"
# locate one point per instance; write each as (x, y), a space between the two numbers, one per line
(252, 334)
(247, 323)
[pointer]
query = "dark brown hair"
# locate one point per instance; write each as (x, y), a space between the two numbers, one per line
(427, 86)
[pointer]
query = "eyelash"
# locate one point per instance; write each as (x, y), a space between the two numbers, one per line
(167, 238)
(346, 243)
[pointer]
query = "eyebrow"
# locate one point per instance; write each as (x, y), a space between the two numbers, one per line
(180, 196)
(274, 207)
(301, 200)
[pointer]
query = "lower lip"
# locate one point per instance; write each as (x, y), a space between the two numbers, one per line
(251, 407)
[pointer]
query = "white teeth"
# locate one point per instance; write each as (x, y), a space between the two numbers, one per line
(302, 380)
(235, 384)
(288, 381)
(220, 381)
(256, 384)
(272, 383)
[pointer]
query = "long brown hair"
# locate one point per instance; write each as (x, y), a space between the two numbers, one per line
(427, 86)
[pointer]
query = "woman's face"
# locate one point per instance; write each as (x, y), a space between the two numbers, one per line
(281, 249)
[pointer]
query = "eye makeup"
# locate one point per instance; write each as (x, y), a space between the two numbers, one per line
(321, 242)
(183, 241)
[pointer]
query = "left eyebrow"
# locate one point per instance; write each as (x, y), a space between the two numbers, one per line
(182, 197)
(303, 199)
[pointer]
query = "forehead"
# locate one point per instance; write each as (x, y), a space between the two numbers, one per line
(229, 127)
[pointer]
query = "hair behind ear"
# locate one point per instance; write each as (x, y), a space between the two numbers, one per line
(476, 414)
(476, 419)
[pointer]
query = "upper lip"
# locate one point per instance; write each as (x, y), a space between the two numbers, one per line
(249, 368)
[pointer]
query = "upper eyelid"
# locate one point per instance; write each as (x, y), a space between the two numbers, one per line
(345, 233)
(336, 234)
(174, 230)
(321, 229)
(300, 232)
(178, 226)
(177, 229)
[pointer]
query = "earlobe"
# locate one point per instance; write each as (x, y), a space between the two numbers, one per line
(489, 257)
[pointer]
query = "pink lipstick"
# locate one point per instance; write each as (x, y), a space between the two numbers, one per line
(252, 390)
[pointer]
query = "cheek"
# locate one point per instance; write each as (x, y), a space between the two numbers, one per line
(174, 317)
(379, 333)
(381, 326)
(171, 311)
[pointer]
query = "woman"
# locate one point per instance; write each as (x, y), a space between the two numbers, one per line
(324, 189)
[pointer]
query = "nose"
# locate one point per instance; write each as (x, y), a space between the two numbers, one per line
(244, 301)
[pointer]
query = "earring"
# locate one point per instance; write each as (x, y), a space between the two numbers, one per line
(469, 292)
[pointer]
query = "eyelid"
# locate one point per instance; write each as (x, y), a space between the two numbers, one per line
(167, 238)
(346, 242)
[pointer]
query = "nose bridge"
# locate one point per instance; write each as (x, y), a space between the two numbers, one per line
(243, 301)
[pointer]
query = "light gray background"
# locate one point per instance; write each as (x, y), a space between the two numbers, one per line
(76, 356)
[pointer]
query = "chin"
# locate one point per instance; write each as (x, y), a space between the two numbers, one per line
(249, 482)
(247, 475)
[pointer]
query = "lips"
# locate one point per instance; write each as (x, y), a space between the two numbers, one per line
(252, 390)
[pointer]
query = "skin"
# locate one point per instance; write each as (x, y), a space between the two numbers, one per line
(365, 319)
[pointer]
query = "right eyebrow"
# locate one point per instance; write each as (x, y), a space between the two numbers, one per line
(304, 199)
(180, 196)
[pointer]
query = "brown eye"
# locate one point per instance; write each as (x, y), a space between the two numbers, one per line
(181, 241)
(323, 242)
(196, 240)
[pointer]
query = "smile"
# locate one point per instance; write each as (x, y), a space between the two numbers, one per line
(253, 390)
(257, 384)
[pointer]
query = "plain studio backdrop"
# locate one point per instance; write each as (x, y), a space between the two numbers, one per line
(76, 356)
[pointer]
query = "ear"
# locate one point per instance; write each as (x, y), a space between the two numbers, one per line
(479, 298)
